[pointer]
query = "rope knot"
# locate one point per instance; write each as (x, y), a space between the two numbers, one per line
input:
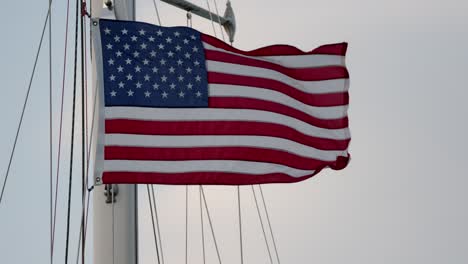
(84, 12)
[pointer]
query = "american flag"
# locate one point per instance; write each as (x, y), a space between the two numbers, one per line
(182, 107)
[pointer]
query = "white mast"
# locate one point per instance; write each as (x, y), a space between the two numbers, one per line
(115, 224)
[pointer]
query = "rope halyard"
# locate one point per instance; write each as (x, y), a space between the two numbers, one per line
(51, 177)
(269, 224)
(211, 224)
(7, 173)
(202, 226)
(152, 221)
(211, 17)
(219, 20)
(157, 12)
(240, 224)
(261, 223)
(157, 223)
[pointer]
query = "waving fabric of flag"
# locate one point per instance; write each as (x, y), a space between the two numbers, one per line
(182, 107)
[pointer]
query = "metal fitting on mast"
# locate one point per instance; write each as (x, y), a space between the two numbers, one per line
(228, 21)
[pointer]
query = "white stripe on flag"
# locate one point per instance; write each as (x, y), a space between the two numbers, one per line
(275, 143)
(313, 87)
(322, 112)
(210, 114)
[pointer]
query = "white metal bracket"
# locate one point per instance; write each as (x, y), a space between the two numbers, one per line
(228, 21)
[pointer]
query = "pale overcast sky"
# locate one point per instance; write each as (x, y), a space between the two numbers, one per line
(401, 199)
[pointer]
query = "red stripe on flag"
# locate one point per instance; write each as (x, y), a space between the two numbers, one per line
(330, 99)
(200, 178)
(249, 103)
(277, 50)
(180, 128)
(304, 74)
(216, 153)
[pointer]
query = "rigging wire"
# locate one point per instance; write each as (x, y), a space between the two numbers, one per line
(83, 117)
(240, 224)
(269, 224)
(211, 224)
(157, 223)
(50, 138)
(152, 221)
(211, 17)
(157, 12)
(72, 131)
(25, 103)
(202, 228)
(85, 227)
(219, 20)
(186, 224)
(189, 21)
(113, 222)
(61, 124)
(261, 223)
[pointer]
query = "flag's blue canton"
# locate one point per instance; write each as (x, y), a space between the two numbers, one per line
(147, 65)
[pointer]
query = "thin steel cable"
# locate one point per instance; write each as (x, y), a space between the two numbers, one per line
(202, 226)
(157, 224)
(211, 225)
(83, 143)
(186, 224)
(219, 20)
(88, 143)
(81, 230)
(86, 97)
(113, 224)
(240, 224)
(152, 221)
(211, 17)
(157, 12)
(261, 223)
(51, 205)
(72, 131)
(24, 104)
(92, 129)
(79, 245)
(61, 124)
(269, 224)
(87, 212)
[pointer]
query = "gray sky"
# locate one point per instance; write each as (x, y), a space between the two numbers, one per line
(401, 199)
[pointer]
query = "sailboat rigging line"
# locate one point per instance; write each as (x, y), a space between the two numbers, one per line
(152, 221)
(25, 103)
(202, 226)
(186, 224)
(72, 130)
(240, 224)
(211, 17)
(157, 223)
(83, 143)
(51, 177)
(86, 98)
(269, 224)
(79, 245)
(113, 224)
(91, 137)
(61, 124)
(261, 223)
(157, 12)
(211, 225)
(85, 226)
(219, 20)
